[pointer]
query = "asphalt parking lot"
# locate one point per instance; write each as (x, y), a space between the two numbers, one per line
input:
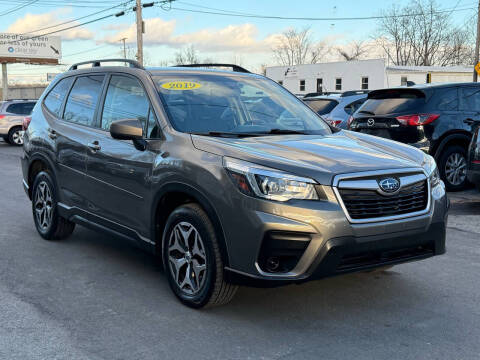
(97, 297)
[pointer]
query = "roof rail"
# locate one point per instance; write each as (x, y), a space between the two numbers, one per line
(234, 67)
(95, 63)
(354, 92)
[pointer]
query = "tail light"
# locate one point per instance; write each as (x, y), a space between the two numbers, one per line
(332, 122)
(350, 120)
(417, 119)
(2, 117)
(26, 122)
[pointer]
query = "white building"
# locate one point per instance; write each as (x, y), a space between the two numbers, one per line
(361, 74)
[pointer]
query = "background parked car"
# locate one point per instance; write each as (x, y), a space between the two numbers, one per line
(430, 117)
(473, 171)
(337, 108)
(12, 113)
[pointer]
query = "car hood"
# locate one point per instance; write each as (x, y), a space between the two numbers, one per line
(319, 157)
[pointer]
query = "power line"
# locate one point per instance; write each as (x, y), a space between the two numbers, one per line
(17, 8)
(226, 13)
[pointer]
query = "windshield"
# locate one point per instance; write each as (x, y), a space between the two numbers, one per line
(206, 103)
(322, 106)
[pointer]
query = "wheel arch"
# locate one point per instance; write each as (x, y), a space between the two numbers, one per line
(174, 194)
(461, 138)
(38, 163)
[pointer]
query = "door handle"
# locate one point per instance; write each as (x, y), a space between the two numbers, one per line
(52, 134)
(94, 146)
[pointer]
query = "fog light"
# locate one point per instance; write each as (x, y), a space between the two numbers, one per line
(273, 264)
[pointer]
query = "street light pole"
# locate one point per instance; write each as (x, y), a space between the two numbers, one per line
(138, 11)
(477, 44)
(124, 49)
(4, 82)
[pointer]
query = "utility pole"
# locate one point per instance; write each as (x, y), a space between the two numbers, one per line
(124, 49)
(140, 29)
(477, 45)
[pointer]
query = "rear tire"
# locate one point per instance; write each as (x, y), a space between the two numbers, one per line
(15, 136)
(50, 225)
(192, 259)
(452, 165)
(5, 138)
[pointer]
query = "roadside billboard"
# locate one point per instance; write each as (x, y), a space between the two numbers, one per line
(24, 48)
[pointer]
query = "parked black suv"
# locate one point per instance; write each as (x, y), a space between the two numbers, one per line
(429, 117)
(473, 171)
(227, 176)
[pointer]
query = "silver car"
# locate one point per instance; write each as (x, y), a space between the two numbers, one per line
(337, 108)
(12, 114)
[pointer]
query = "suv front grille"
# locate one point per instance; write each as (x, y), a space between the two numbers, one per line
(366, 204)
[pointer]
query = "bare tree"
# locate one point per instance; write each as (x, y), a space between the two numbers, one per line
(319, 51)
(187, 55)
(354, 51)
(419, 34)
(294, 47)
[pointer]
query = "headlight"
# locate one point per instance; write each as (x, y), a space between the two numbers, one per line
(432, 170)
(256, 180)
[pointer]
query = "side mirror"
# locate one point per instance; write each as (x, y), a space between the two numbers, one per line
(128, 129)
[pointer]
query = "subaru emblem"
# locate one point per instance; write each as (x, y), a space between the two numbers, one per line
(389, 185)
(371, 122)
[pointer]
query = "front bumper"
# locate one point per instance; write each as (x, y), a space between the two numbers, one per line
(335, 246)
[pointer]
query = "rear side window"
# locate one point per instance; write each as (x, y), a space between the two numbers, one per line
(351, 108)
(471, 98)
(21, 108)
(393, 101)
(322, 106)
(82, 100)
(125, 99)
(445, 99)
(54, 99)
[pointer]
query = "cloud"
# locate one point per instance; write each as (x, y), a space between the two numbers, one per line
(32, 22)
(236, 38)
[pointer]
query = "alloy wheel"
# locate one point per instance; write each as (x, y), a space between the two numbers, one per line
(43, 205)
(187, 259)
(17, 137)
(456, 169)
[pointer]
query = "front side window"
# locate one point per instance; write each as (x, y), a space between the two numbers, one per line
(338, 84)
(302, 85)
(54, 99)
(125, 99)
(82, 100)
(202, 103)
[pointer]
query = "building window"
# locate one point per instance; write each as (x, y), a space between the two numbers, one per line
(365, 83)
(302, 85)
(280, 82)
(319, 85)
(338, 84)
(403, 81)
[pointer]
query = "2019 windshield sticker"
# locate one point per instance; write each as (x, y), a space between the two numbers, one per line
(181, 85)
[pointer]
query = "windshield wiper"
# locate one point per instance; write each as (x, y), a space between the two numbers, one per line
(366, 112)
(285, 131)
(225, 134)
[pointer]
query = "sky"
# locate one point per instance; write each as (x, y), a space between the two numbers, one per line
(244, 40)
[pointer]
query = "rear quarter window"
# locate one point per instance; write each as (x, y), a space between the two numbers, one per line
(54, 100)
(21, 108)
(445, 99)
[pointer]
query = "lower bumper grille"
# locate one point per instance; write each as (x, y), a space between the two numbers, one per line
(366, 204)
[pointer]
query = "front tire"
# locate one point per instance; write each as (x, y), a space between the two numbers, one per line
(192, 260)
(453, 168)
(15, 136)
(50, 225)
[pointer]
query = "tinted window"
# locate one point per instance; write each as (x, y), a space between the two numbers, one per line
(82, 101)
(125, 99)
(471, 98)
(351, 108)
(21, 108)
(445, 99)
(55, 97)
(393, 101)
(247, 104)
(322, 106)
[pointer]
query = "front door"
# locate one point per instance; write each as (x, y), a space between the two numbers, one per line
(118, 170)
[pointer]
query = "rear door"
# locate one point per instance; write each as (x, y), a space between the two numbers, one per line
(469, 105)
(379, 114)
(118, 171)
(72, 132)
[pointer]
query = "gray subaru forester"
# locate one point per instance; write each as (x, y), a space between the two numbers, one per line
(226, 176)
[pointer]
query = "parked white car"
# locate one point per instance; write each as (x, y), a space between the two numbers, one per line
(12, 113)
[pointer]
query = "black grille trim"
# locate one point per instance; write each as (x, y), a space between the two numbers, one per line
(367, 204)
